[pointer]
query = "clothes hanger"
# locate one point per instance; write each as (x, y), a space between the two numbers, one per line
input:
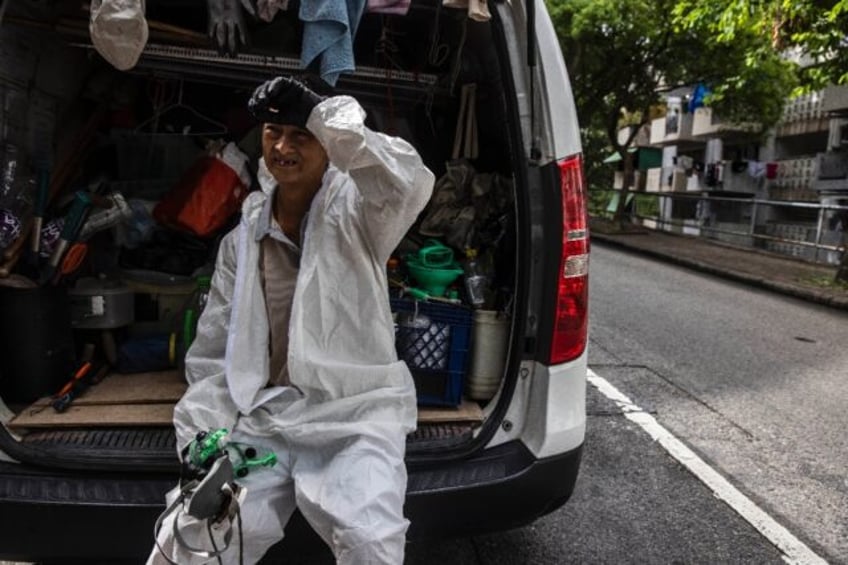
(213, 127)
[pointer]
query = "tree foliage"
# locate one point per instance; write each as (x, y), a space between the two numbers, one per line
(623, 55)
(816, 30)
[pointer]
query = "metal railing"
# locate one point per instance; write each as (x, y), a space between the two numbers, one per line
(702, 219)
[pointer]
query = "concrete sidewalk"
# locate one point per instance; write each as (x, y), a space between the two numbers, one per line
(789, 276)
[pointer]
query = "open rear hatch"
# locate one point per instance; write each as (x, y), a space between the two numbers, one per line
(433, 76)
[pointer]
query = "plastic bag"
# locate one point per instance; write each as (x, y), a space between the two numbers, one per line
(207, 195)
(119, 31)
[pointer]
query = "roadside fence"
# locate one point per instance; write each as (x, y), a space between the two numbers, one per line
(807, 230)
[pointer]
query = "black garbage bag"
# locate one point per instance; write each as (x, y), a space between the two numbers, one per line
(170, 252)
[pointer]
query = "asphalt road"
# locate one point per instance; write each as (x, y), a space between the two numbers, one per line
(753, 381)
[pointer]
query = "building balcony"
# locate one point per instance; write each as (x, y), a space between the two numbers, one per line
(802, 115)
(672, 130)
(653, 180)
(670, 179)
(835, 100)
(705, 125)
(642, 139)
(802, 127)
(639, 178)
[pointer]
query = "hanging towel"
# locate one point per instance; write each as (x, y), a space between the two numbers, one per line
(396, 7)
(756, 169)
(328, 32)
(771, 171)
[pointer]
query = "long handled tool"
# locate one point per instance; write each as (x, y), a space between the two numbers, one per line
(38, 214)
(73, 223)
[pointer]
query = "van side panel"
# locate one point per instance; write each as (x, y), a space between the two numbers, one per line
(556, 116)
(548, 409)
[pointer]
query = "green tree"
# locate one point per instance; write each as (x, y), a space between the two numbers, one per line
(623, 55)
(818, 29)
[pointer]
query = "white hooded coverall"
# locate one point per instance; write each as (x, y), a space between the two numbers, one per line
(339, 430)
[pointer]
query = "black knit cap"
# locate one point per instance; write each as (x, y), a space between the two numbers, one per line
(284, 101)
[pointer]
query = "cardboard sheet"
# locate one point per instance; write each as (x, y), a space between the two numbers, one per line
(141, 399)
(137, 388)
(95, 415)
(466, 412)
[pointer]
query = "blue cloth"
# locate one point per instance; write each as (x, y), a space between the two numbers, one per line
(698, 95)
(328, 31)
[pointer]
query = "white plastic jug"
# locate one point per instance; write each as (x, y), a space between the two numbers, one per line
(490, 334)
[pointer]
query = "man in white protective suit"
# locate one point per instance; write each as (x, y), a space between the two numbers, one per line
(295, 348)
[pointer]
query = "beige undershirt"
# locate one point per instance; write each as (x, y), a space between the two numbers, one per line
(278, 267)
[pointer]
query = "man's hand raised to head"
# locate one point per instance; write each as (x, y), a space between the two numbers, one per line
(283, 100)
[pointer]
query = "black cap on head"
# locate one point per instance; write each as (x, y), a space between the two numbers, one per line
(283, 100)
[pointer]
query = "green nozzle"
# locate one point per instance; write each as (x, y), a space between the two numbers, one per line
(208, 446)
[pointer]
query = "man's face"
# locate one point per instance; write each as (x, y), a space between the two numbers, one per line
(293, 156)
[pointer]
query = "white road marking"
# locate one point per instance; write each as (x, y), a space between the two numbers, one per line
(794, 550)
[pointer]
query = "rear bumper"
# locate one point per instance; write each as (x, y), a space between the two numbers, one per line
(110, 517)
(505, 487)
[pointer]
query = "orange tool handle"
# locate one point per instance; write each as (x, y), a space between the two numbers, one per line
(81, 372)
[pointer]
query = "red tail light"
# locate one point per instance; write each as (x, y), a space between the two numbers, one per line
(572, 302)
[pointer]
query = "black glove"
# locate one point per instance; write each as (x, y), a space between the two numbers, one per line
(226, 26)
(283, 100)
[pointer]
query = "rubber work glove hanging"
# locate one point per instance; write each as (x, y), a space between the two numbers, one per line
(227, 26)
(249, 7)
(283, 100)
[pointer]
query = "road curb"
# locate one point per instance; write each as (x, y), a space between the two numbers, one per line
(802, 293)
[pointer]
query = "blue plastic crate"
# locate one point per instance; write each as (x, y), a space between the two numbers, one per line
(436, 352)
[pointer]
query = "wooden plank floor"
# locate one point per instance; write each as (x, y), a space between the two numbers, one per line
(147, 399)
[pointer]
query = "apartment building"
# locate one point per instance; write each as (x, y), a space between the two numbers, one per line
(780, 192)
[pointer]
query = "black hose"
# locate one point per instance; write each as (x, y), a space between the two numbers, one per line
(212, 539)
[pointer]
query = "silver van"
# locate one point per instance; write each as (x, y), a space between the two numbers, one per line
(482, 93)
